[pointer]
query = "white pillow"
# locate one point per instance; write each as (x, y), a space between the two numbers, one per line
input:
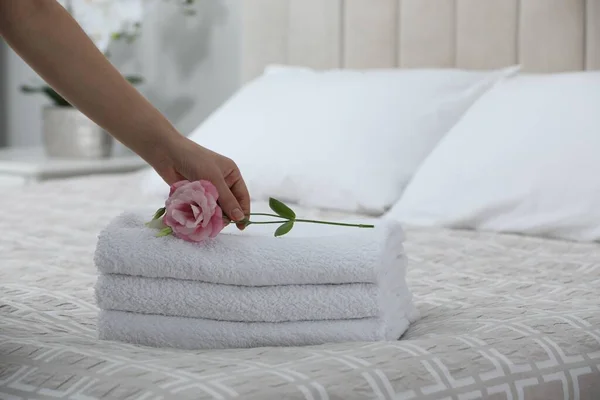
(339, 139)
(524, 159)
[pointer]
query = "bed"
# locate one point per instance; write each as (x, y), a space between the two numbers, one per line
(503, 316)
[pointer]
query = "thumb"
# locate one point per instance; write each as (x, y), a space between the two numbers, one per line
(228, 202)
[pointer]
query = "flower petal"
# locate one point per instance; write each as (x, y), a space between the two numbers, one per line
(216, 223)
(176, 186)
(211, 190)
(200, 235)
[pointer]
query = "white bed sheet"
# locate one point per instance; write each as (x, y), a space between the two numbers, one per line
(504, 317)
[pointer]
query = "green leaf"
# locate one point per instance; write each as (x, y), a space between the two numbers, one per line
(159, 213)
(164, 232)
(134, 80)
(31, 89)
(281, 209)
(284, 228)
(56, 98)
(156, 224)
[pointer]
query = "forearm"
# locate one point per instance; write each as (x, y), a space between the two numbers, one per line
(44, 34)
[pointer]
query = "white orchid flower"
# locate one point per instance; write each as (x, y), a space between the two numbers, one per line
(101, 19)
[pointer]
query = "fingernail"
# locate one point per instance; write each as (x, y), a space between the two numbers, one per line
(237, 215)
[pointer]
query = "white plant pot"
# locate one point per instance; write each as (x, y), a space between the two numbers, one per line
(67, 133)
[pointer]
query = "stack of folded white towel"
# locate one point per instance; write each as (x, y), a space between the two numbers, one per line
(319, 284)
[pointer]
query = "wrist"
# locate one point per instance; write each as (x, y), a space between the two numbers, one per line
(159, 146)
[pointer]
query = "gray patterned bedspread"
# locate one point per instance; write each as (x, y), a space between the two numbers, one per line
(504, 317)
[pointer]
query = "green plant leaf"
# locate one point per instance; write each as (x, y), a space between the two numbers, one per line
(159, 213)
(31, 89)
(134, 80)
(156, 224)
(281, 209)
(164, 232)
(284, 228)
(56, 98)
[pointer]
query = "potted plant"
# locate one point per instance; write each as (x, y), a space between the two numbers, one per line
(66, 132)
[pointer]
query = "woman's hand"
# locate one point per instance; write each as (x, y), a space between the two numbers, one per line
(183, 159)
(44, 34)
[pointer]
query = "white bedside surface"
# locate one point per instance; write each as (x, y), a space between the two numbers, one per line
(31, 164)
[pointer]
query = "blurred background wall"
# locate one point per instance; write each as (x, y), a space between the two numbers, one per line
(190, 66)
(3, 94)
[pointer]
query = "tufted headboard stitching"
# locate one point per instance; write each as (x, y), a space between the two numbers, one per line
(541, 35)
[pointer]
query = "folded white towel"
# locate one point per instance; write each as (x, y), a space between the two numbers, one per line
(309, 255)
(195, 299)
(193, 333)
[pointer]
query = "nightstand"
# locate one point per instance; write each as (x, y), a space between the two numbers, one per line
(22, 166)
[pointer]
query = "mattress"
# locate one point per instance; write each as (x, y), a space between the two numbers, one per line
(503, 317)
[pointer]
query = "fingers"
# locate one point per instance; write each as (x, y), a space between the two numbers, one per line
(228, 202)
(240, 191)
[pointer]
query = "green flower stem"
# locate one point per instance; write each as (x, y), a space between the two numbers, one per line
(266, 215)
(259, 214)
(265, 222)
(310, 221)
(334, 223)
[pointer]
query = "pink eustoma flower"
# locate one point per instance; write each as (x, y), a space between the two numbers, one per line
(192, 212)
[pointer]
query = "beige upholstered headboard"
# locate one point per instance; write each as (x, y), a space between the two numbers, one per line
(541, 35)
